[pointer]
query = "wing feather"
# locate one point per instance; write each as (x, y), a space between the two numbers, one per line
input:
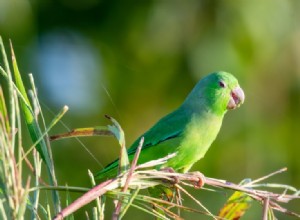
(169, 127)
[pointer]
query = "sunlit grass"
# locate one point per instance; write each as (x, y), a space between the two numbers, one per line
(14, 156)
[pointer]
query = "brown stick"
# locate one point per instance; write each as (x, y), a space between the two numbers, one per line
(130, 172)
(266, 208)
(85, 199)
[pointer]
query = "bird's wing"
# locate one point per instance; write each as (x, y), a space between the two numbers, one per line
(169, 127)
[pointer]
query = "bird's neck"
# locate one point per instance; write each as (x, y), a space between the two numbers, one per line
(203, 109)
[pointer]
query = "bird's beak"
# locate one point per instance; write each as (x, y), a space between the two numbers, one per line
(237, 98)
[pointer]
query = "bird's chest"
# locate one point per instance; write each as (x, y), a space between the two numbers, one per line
(199, 134)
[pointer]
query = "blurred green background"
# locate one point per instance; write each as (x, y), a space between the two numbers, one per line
(137, 60)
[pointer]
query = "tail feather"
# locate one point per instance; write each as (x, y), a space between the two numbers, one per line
(109, 171)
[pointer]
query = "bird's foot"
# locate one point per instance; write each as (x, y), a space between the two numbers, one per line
(199, 183)
(175, 179)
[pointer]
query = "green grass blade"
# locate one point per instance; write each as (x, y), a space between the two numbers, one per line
(34, 130)
(31, 123)
(28, 110)
(68, 202)
(99, 201)
(3, 111)
(131, 199)
(6, 64)
(22, 207)
(118, 132)
(95, 213)
(11, 92)
(2, 211)
(36, 195)
(52, 124)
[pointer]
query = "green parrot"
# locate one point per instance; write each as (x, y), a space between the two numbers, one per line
(191, 128)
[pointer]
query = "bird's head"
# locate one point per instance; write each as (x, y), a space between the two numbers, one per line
(217, 92)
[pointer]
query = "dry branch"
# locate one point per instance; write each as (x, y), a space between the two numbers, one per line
(144, 177)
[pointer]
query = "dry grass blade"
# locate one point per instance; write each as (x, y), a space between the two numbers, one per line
(266, 208)
(83, 132)
(196, 201)
(151, 177)
(129, 176)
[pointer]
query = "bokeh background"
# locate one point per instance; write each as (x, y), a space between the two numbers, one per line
(137, 60)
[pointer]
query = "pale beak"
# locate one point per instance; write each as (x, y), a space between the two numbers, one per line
(237, 98)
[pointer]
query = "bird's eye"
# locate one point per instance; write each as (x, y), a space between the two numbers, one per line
(222, 84)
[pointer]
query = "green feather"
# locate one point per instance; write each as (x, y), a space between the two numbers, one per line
(191, 128)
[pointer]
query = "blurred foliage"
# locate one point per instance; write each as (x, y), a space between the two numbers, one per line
(137, 60)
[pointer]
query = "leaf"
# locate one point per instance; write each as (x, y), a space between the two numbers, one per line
(110, 130)
(83, 132)
(3, 111)
(34, 129)
(237, 204)
(119, 134)
(32, 125)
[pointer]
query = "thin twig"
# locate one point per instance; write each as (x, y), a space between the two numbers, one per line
(195, 200)
(130, 172)
(133, 165)
(266, 208)
(87, 198)
(31, 168)
(267, 176)
(148, 178)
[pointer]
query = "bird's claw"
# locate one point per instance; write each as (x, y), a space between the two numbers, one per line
(171, 170)
(198, 184)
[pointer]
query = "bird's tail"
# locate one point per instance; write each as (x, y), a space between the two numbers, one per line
(109, 171)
